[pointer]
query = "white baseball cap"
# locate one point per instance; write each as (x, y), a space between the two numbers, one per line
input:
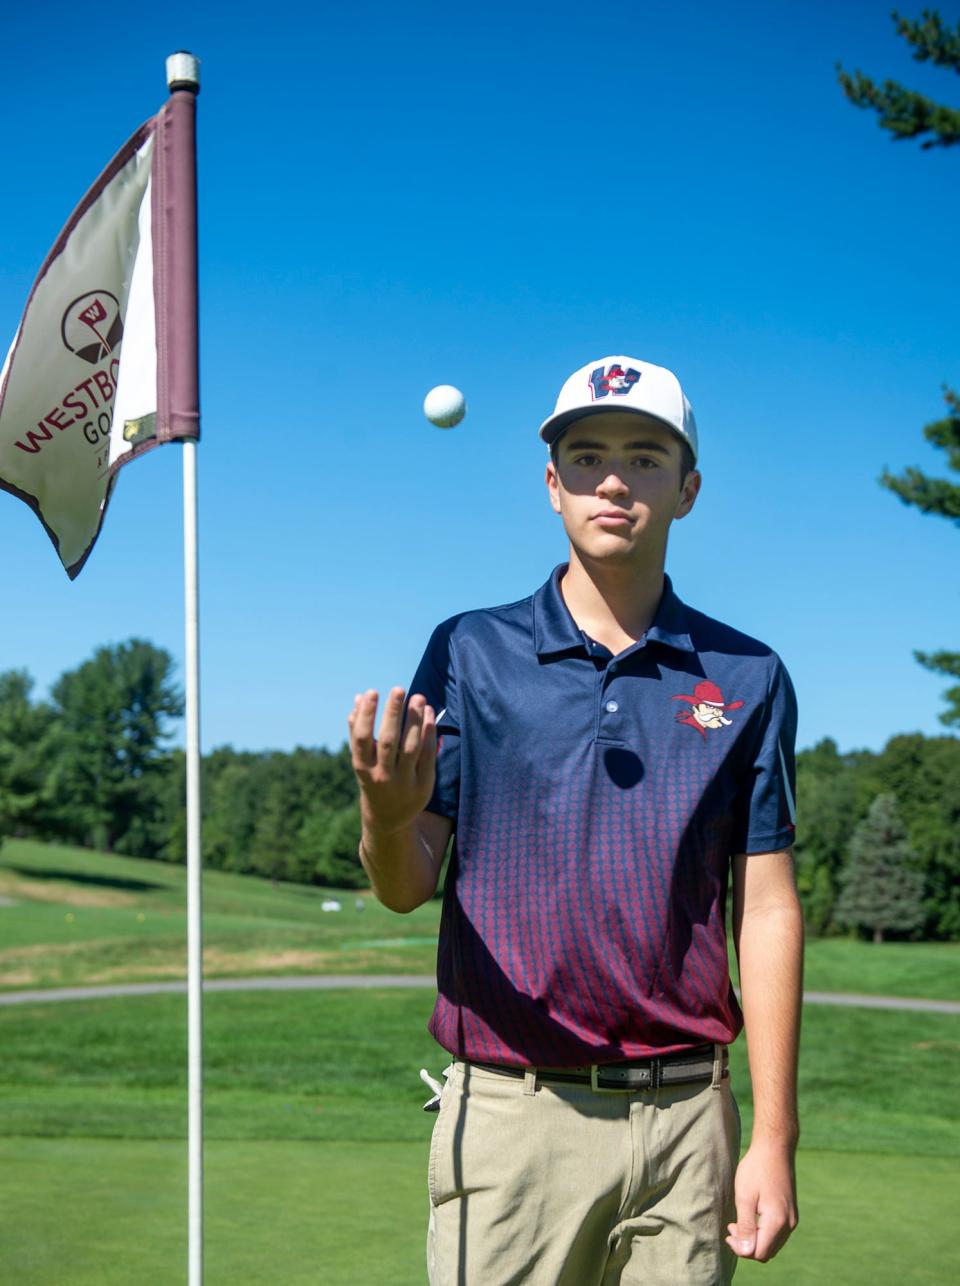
(623, 384)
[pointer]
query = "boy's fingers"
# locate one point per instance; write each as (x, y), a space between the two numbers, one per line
(411, 734)
(743, 1233)
(773, 1232)
(388, 743)
(428, 740)
(361, 722)
(764, 1246)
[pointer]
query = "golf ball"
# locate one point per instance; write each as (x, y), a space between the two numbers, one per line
(444, 406)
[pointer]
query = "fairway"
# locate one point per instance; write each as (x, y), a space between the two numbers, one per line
(79, 917)
(76, 917)
(332, 1065)
(316, 1141)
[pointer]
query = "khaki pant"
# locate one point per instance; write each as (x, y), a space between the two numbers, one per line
(556, 1185)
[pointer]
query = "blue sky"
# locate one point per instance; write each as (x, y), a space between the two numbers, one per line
(394, 197)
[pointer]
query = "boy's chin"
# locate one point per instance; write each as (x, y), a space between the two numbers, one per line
(611, 552)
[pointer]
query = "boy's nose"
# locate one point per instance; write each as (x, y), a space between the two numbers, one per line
(613, 483)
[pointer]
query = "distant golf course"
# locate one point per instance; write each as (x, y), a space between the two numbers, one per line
(316, 1144)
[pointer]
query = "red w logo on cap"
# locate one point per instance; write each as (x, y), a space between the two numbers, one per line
(616, 380)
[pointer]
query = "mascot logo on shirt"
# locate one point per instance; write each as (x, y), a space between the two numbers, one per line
(706, 708)
(613, 380)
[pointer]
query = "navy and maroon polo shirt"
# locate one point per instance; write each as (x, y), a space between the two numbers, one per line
(597, 801)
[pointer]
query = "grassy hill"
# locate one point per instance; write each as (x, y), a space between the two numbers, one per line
(70, 916)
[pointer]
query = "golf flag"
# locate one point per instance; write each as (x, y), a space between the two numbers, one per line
(103, 366)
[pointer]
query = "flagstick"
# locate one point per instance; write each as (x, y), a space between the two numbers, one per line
(183, 73)
(194, 893)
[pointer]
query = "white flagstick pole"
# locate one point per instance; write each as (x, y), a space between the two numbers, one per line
(183, 71)
(194, 868)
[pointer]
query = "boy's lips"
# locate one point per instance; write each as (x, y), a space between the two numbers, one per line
(610, 516)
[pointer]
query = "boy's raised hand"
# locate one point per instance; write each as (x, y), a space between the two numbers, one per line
(396, 771)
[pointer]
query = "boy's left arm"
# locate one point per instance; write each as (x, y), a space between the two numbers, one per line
(768, 936)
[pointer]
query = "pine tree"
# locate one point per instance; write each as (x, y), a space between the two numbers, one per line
(937, 496)
(903, 112)
(910, 115)
(882, 890)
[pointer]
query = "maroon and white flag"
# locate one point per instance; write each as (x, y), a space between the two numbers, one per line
(104, 364)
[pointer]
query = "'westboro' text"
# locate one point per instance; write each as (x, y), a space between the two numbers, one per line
(73, 408)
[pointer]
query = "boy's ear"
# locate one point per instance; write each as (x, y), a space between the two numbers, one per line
(552, 481)
(689, 490)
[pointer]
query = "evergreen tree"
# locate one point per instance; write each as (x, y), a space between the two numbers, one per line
(910, 115)
(934, 495)
(903, 112)
(937, 496)
(881, 891)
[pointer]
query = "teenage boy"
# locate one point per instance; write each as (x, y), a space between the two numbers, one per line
(606, 758)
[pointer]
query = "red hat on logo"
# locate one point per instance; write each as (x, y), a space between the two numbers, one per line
(707, 693)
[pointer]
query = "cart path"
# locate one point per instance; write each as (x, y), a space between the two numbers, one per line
(335, 982)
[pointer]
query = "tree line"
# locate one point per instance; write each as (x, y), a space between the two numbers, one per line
(878, 849)
(92, 766)
(865, 821)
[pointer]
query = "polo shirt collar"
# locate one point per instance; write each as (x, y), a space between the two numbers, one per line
(671, 624)
(555, 630)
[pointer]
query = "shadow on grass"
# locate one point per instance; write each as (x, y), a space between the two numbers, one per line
(82, 877)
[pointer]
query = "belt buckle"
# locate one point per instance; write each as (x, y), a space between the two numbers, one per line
(653, 1083)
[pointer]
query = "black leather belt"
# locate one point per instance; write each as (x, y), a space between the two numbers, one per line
(641, 1074)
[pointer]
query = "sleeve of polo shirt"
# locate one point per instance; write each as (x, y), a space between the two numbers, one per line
(436, 679)
(767, 816)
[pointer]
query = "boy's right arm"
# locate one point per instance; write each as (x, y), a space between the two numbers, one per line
(401, 845)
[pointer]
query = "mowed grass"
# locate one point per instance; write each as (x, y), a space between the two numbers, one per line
(334, 1065)
(276, 1213)
(317, 1143)
(334, 1214)
(71, 917)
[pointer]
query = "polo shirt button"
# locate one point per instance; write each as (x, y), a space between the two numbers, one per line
(612, 707)
(612, 667)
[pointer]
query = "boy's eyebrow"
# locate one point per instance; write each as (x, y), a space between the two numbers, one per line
(642, 444)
